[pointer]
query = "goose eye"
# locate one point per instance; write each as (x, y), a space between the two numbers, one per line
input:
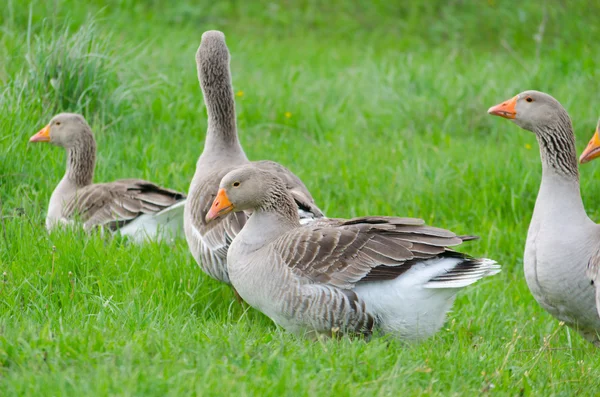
(529, 99)
(236, 184)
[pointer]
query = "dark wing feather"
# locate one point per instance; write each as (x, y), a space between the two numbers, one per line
(344, 252)
(117, 203)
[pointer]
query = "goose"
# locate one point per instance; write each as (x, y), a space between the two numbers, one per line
(591, 152)
(341, 276)
(561, 239)
(136, 208)
(222, 152)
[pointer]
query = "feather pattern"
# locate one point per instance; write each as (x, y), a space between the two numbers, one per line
(115, 204)
(345, 253)
(397, 274)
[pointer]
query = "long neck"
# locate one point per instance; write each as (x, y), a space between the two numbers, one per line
(557, 148)
(215, 81)
(559, 191)
(81, 160)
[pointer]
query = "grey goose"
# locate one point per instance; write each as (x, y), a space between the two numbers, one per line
(562, 238)
(135, 207)
(396, 275)
(222, 152)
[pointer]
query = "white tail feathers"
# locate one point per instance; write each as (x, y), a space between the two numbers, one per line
(166, 224)
(465, 273)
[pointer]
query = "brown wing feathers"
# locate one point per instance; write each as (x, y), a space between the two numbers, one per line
(363, 249)
(117, 203)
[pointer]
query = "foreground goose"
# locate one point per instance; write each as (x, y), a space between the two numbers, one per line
(591, 152)
(395, 274)
(222, 152)
(561, 238)
(135, 207)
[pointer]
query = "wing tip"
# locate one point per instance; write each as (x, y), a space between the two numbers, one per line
(472, 271)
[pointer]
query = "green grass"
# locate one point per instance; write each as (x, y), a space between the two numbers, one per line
(388, 116)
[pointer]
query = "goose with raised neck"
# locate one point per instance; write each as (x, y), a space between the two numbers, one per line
(214, 75)
(222, 152)
(337, 276)
(134, 207)
(561, 237)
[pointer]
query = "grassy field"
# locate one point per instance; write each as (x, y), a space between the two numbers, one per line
(379, 108)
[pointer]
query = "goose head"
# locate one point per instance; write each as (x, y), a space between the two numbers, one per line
(530, 110)
(65, 130)
(246, 188)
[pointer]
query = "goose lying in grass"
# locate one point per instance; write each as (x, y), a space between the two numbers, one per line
(135, 207)
(336, 275)
(561, 238)
(222, 152)
(591, 152)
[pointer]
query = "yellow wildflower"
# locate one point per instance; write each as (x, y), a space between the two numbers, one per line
(288, 115)
(240, 93)
(527, 146)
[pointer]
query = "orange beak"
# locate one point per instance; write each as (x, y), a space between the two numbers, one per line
(43, 135)
(592, 150)
(506, 109)
(221, 206)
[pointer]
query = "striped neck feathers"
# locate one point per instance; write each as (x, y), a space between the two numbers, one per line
(557, 147)
(81, 160)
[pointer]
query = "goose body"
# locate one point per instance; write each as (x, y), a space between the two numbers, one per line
(560, 242)
(396, 275)
(134, 207)
(222, 153)
(561, 239)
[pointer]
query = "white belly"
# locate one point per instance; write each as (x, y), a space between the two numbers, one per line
(404, 306)
(556, 276)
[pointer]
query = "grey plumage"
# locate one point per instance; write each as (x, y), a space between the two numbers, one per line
(593, 274)
(222, 152)
(111, 205)
(591, 152)
(116, 204)
(562, 239)
(339, 274)
(81, 153)
(344, 253)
